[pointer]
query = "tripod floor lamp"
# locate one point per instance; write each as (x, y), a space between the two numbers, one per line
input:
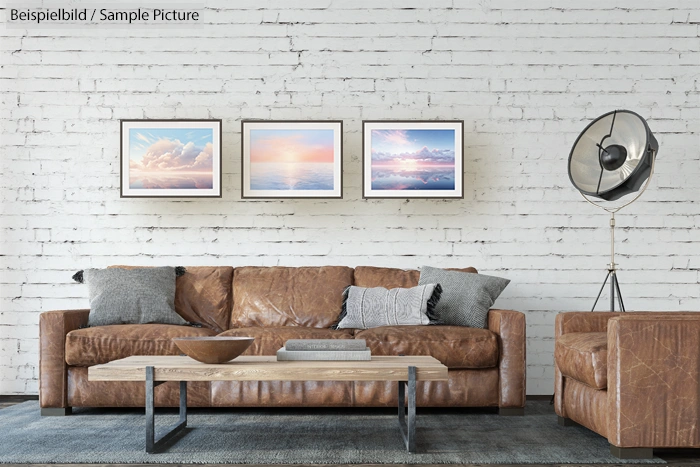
(613, 157)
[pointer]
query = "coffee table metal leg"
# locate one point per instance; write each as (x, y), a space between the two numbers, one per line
(408, 428)
(152, 445)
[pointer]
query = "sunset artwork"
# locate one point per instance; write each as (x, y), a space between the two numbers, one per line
(181, 160)
(292, 159)
(406, 158)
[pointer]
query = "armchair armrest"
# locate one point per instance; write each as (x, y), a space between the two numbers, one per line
(53, 327)
(510, 328)
(654, 364)
(575, 321)
(582, 321)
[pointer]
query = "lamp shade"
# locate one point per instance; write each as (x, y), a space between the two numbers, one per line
(612, 157)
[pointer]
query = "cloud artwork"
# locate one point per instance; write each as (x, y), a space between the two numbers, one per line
(413, 159)
(165, 155)
(171, 158)
(424, 155)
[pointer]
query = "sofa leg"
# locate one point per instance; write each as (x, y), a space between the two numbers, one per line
(631, 453)
(55, 412)
(510, 411)
(565, 421)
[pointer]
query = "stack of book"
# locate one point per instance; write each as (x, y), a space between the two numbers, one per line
(324, 349)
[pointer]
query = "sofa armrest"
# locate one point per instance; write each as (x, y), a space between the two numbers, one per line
(510, 328)
(53, 327)
(654, 380)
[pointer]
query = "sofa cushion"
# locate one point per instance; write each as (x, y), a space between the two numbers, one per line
(466, 297)
(374, 307)
(391, 278)
(203, 295)
(281, 296)
(583, 356)
(131, 295)
(454, 346)
(268, 340)
(102, 344)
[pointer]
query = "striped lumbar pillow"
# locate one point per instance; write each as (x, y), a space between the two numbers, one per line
(365, 308)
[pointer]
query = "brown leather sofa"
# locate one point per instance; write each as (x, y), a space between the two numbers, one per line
(631, 377)
(273, 304)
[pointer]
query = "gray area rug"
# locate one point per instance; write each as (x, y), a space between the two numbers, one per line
(296, 436)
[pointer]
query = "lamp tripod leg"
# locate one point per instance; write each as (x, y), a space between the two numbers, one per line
(612, 290)
(619, 294)
(601, 291)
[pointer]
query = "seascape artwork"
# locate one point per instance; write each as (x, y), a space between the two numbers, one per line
(291, 159)
(415, 159)
(171, 158)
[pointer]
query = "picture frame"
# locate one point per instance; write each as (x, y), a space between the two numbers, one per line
(178, 158)
(416, 159)
(287, 159)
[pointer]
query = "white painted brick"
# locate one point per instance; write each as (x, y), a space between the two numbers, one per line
(526, 77)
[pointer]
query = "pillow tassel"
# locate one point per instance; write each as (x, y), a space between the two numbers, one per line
(180, 271)
(78, 277)
(344, 309)
(432, 304)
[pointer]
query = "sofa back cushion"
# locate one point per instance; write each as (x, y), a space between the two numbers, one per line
(203, 295)
(282, 296)
(391, 278)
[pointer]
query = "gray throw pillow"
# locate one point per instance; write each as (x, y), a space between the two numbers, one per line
(365, 308)
(131, 296)
(466, 297)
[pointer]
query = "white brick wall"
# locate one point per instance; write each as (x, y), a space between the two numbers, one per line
(525, 76)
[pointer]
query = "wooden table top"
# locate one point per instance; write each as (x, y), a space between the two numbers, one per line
(267, 368)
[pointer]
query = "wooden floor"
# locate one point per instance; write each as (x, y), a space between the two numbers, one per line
(675, 457)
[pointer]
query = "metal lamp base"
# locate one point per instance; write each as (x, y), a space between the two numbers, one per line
(612, 271)
(614, 290)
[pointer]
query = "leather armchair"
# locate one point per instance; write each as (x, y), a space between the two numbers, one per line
(631, 377)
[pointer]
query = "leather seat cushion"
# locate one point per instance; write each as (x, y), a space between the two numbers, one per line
(391, 278)
(583, 356)
(281, 296)
(454, 346)
(102, 344)
(268, 340)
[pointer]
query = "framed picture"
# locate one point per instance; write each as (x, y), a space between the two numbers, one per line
(292, 159)
(412, 159)
(170, 158)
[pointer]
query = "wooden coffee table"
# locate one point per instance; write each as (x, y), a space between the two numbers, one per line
(406, 370)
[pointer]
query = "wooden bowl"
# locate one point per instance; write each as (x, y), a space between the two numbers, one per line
(213, 349)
